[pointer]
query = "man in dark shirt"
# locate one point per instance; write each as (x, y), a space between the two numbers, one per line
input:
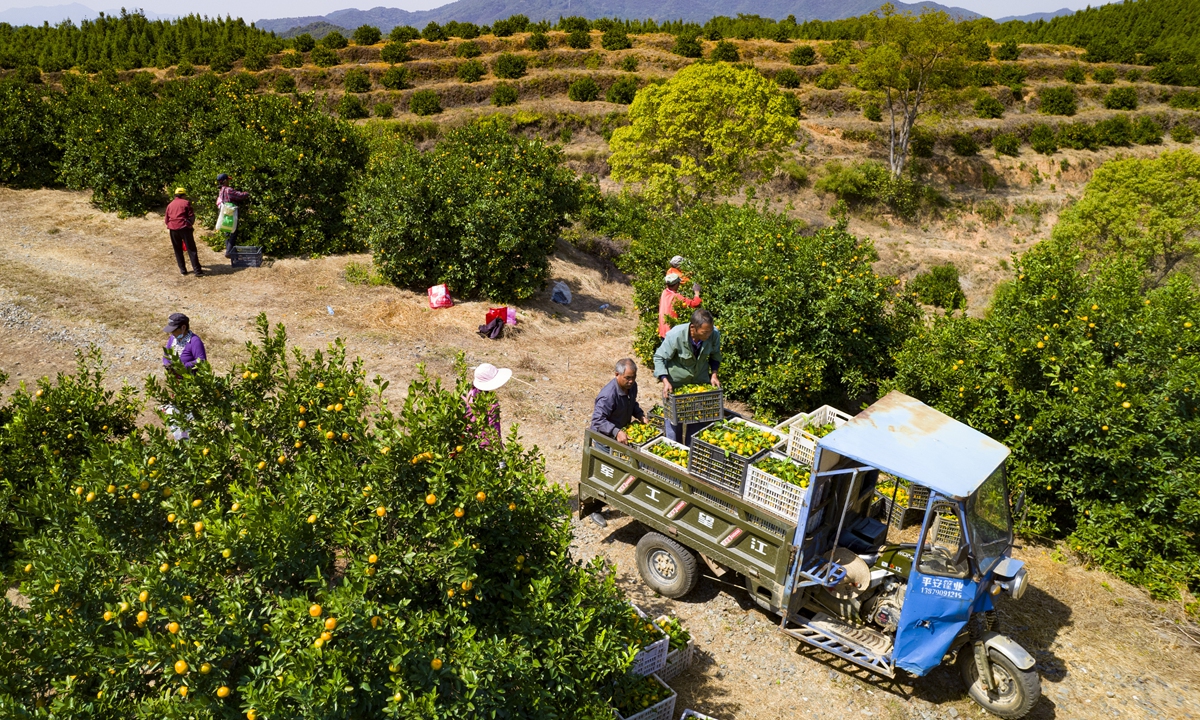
(617, 404)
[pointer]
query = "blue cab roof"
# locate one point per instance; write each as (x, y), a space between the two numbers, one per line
(905, 437)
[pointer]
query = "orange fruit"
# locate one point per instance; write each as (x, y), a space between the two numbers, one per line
(110, 489)
(320, 386)
(107, 615)
(338, 407)
(90, 497)
(183, 691)
(466, 585)
(152, 460)
(143, 596)
(303, 409)
(198, 526)
(222, 692)
(375, 621)
(282, 459)
(79, 490)
(481, 496)
(329, 435)
(450, 592)
(326, 636)
(384, 451)
(370, 572)
(170, 517)
(512, 506)
(173, 627)
(205, 668)
(328, 408)
(436, 664)
(381, 511)
(204, 452)
(302, 424)
(458, 512)
(197, 502)
(181, 667)
(430, 499)
(226, 553)
(345, 436)
(164, 568)
(314, 610)
(373, 559)
(312, 519)
(262, 464)
(331, 623)
(235, 507)
(319, 643)
(251, 714)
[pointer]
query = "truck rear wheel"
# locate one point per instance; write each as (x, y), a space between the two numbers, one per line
(666, 566)
(1017, 690)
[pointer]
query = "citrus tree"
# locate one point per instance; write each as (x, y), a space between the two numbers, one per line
(701, 132)
(309, 551)
(29, 129)
(480, 212)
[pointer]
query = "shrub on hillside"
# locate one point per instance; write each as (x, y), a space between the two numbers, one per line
(978, 50)
(434, 33)
(1006, 144)
(964, 144)
(367, 35)
(538, 41)
(989, 108)
(829, 80)
(1104, 75)
(469, 49)
(304, 42)
(508, 66)
(1043, 139)
(802, 55)
(1147, 131)
(350, 107)
(725, 51)
(1185, 100)
(1183, 133)
(504, 94)
(615, 39)
(383, 110)
(334, 40)
(868, 182)
(425, 102)
(872, 112)
(395, 52)
(1077, 136)
(1116, 131)
(981, 75)
(938, 286)
(922, 142)
(832, 319)
(480, 212)
(687, 46)
(255, 59)
(30, 127)
(1121, 98)
(1008, 50)
(629, 63)
(623, 91)
(579, 39)
(788, 78)
(381, 567)
(583, 90)
(396, 78)
(1059, 100)
(1011, 74)
(284, 83)
(404, 34)
(1075, 74)
(291, 60)
(324, 57)
(356, 80)
(471, 71)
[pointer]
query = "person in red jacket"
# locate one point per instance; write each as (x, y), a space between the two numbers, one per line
(671, 299)
(179, 219)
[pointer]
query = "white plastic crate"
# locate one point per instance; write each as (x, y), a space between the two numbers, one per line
(802, 446)
(652, 470)
(697, 716)
(772, 494)
(664, 710)
(678, 661)
(651, 658)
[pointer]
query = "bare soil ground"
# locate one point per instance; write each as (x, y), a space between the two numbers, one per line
(71, 276)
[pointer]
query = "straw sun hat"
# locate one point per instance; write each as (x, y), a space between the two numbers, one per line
(489, 377)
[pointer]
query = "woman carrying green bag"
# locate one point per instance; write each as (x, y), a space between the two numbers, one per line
(227, 211)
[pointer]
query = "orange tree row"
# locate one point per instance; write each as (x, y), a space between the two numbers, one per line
(308, 547)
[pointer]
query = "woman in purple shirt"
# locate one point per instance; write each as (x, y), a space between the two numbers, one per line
(183, 344)
(483, 411)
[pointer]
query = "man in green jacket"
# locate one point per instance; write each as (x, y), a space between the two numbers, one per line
(689, 354)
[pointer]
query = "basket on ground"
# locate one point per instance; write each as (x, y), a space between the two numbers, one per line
(698, 407)
(803, 432)
(772, 494)
(721, 467)
(246, 256)
(677, 660)
(652, 657)
(695, 716)
(662, 710)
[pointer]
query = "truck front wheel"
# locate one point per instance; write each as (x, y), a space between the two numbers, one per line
(1016, 692)
(666, 566)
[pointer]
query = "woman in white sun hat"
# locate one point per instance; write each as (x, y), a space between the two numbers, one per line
(483, 410)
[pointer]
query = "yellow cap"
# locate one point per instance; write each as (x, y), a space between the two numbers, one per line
(180, 191)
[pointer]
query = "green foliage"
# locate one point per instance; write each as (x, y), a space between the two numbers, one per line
(468, 49)
(1011, 74)
(1043, 139)
(725, 51)
(508, 66)
(1077, 136)
(334, 40)
(1133, 75)
(938, 286)
(701, 131)
(687, 46)
(383, 109)
(538, 41)
(1147, 131)
(964, 144)
(1060, 100)
(395, 52)
(921, 142)
(787, 78)
(464, 575)
(425, 102)
(1006, 144)
(29, 131)
(255, 60)
(802, 55)
(1186, 100)
(404, 34)
(284, 83)
(1121, 98)
(832, 320)
(989, 108)
(1075, 74)
(623, 91)
(978, 50)
(510, 25)
(291, 60)
(629, 63)
(867, 182)
(324, 57)
(350, 107)
(831, 79)
(185, 68)
(584, 89)
(1090, 378)
(1145, 209)
(304, 42)
(1183, 133)
(471, 71)
(872, 112)
(464, 30)
(395, 78)
(1008, 50)
(504, 94)
(434, 33)
(356, 80)
(1104, 75)
(579, 39)
(367, 35)
(841, 51)
(1116, 131)
(574, 23)
(615, 38)
(480, 212)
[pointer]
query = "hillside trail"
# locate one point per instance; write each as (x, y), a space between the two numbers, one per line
(71, 276)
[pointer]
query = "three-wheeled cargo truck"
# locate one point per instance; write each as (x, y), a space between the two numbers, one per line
(830, 571)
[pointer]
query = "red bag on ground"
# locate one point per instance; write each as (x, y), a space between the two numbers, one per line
(439, 297)
(496, 313)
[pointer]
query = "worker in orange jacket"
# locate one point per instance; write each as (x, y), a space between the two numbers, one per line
(671, 299)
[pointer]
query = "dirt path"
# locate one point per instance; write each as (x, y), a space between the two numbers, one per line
(71, 276)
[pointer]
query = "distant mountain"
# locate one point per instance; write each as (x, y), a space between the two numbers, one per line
(1034, 17)
(484, 12)
(54, 14)
(319, 28)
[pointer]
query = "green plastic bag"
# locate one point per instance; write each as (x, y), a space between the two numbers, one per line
(228, 217)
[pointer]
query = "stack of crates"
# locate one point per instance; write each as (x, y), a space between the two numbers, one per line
(802, 442)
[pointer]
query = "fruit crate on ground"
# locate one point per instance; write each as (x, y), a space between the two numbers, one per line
(653, 656)
(662, 710)
(246, 256)
(680, 658)
(722, 466)
(803, 433)
(662, 443)
(773, 494)
(693, 715)
(700, 407)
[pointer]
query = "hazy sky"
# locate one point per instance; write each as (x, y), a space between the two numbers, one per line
(293, 8)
